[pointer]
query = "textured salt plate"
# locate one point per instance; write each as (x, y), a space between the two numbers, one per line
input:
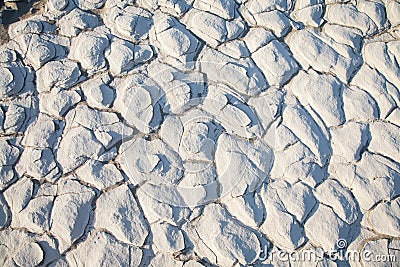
(200, 133)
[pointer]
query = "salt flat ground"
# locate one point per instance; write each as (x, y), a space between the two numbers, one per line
(201, 133)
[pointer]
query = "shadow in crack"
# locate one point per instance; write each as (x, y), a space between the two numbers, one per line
(11, 12)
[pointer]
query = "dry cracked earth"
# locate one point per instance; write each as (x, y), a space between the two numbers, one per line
(201, 133)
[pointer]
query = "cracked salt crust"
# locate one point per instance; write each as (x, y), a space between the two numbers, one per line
(200, 132)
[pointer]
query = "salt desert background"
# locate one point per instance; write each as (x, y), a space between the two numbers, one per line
(200, 133)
